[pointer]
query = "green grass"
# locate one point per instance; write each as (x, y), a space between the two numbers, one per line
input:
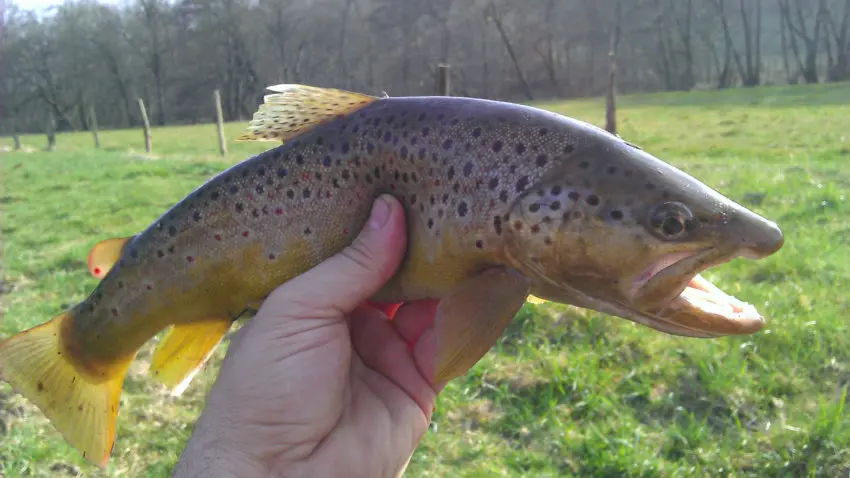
(566, 391)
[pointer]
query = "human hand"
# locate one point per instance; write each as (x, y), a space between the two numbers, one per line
(319, 384)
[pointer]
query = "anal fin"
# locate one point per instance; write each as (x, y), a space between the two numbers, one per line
(105, 254)
(184, 350)
(472, 317)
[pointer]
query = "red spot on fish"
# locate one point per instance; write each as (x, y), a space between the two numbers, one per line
(392, 187)
(345, 231)
(250, 196)
(305, 176)
(328, 194)
(149, 287)
(271, 257)
(244, 233)
(436, 182)
(115, 312)
(278, 211)
(97, 271)
(190, 258)
(217, 237)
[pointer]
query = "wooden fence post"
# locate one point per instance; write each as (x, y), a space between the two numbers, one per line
(17, 140)
(147, 125)
(443, 86)
(611, 96)
(219, 119)
(51, 131)
(93, 126)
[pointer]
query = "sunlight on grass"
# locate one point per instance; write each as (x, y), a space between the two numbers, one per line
(566, 391)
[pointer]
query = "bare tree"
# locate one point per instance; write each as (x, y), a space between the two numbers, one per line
(797, 18)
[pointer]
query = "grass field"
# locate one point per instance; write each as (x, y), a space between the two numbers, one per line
(566, 391)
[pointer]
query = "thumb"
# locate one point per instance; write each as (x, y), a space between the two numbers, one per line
(339, 284)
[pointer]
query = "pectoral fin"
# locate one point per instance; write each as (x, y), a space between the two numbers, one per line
(184, 350)
(472, 317)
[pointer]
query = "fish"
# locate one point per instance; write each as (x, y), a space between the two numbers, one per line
(505, 203)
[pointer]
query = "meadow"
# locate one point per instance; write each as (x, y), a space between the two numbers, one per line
(566, 392)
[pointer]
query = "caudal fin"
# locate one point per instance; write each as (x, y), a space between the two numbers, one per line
(82, 408)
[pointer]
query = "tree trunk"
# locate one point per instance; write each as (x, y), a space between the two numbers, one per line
(525, 87)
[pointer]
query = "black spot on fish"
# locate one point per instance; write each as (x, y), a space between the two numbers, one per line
(447, 144)
(476, 132)
(541, 160)
(583, 164)
(414, 177)
(377, 173)
(261, 172)
(422, 153)
(345, 148)
(543, 131)
(403, 152)
(555, 205)
(246, 172)
(520, 148)
(260, 189)
(370, 148)
(493, 184)
(425, 131)
(522, 184)
(346, 174)
(497, 146)
(234, 189)
(326, 161)
(368, 178)
(650, 186)
(456, 187)
(282, 172)
(612, 170)
(306, 193)
(320, 141)
(430, 223)
(467, 169)
(503, 196)
(405, 177)
(497, 224)
(255, 213)
(617, 215)
(445, 198)
(299, 159)
(462, 209)
(412, 199)
(290, 194)
(574, 195)
(239, 207)
(307, 231)
(170, 249)
(556, 190)
(569, 149)
(318, 176)
(450, 174)
(534, 207)
(172, 231)
(196, 216)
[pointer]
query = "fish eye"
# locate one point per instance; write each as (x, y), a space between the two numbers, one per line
(672, 220)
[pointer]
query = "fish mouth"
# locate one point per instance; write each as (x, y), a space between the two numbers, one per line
(691, 305)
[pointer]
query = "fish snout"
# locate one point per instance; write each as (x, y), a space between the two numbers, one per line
(760, 237)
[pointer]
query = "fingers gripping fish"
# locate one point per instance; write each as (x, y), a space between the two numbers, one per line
(502, 201)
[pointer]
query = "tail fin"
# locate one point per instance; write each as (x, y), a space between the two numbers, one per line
(82, 408)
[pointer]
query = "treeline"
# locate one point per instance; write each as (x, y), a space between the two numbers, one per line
(84, 59)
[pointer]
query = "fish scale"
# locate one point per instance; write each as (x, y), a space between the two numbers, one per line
(501, 201)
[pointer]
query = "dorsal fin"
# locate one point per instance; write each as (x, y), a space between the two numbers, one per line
(295, 109)
(105, 254)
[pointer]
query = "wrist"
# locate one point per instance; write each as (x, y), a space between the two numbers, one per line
(209, 454)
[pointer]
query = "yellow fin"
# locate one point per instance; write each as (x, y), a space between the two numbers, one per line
(105, 254)
(184, 350)
(295, 109)
(81, 407)
(533, 299)
(472, 317)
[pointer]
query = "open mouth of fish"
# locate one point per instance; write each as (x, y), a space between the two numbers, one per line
(700, 309)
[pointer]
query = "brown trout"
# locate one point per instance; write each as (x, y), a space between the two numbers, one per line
(558, 208)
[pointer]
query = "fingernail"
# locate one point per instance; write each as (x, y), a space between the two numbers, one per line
(380, 213)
